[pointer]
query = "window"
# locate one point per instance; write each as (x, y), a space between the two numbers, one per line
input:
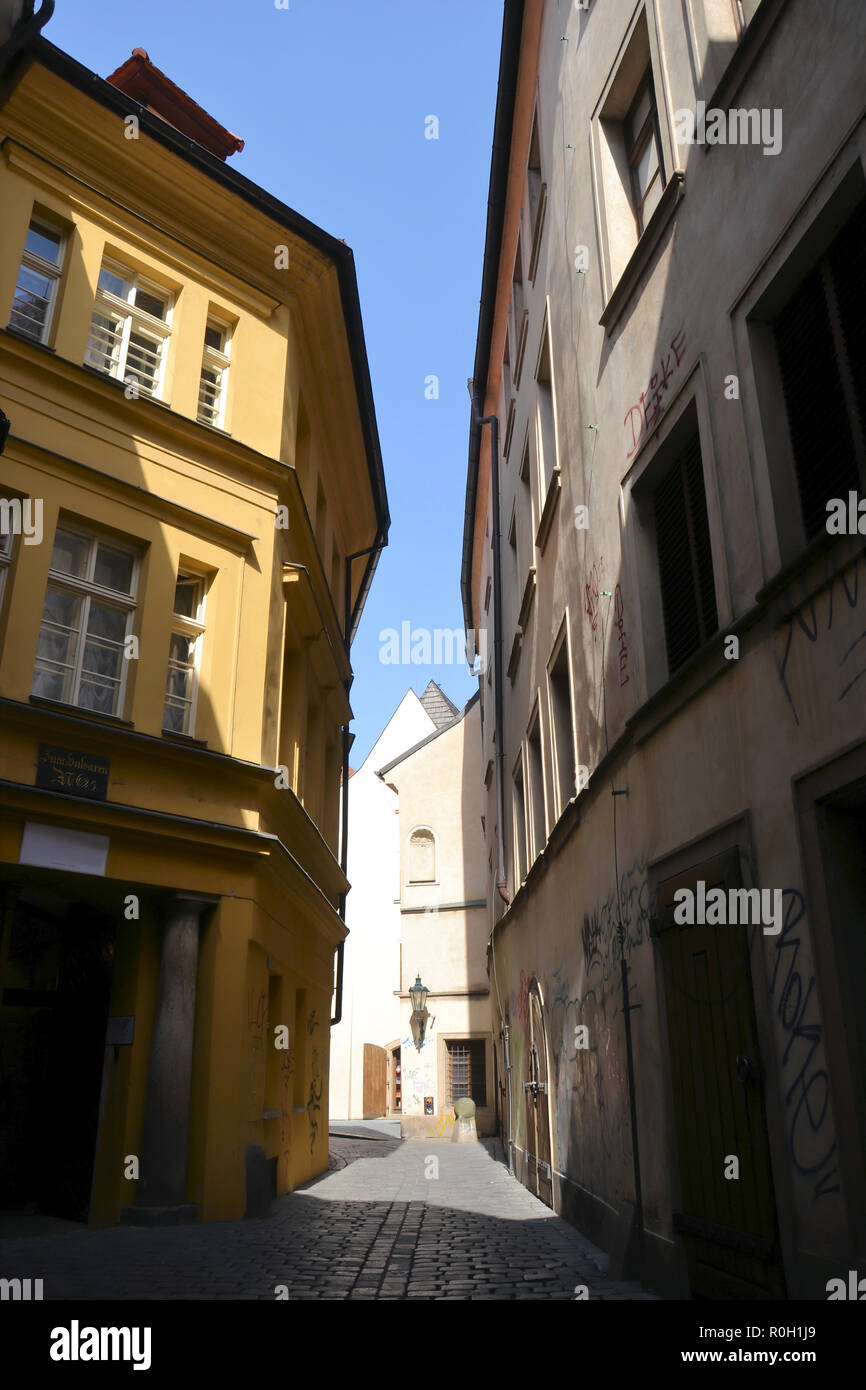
(507, 398)
(643, 149)
(546, 421)
(422, 856)
(87, 616)
(519, 315)
(6, 534)
(519, 825)
(525, 504)
(184, 654)
(535, 774)
(214, 374)
(821, 347)
(130, 328)
(38, 278)
(537, 197)
(562, 734)
(685, 556)
(467, 1072)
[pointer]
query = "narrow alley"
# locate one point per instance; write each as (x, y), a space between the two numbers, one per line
(377, 1228)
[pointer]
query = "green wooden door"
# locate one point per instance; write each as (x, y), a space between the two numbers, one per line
(726, 1223)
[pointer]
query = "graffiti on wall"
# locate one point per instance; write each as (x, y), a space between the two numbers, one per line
(644, 415)
(591, 590)
(314, 1100)
(443, 1126)
(287, 1072)
(805, 1083)
(808, 618)
(619, 624)
(600, 934)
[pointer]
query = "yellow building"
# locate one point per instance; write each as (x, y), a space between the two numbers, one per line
(192, 504)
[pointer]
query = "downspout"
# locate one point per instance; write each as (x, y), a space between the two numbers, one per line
(498, 717)
(506, 1047)
(351, 621)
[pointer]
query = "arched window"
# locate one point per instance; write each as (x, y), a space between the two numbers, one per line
(422, 856)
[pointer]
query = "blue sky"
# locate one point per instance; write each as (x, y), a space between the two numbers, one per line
(331, 98)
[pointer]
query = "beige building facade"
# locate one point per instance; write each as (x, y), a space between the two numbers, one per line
(417, 912)
(445, 1053)
(670, 370)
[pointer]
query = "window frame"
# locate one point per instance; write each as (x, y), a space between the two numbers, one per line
(134, 319)
(30, 260)
(561, 654)
(193, 628)
(218, 360)
(86, 588)
(635, 146)
(537, 827)
(520, 863)
(6, 544)
(466, 1045)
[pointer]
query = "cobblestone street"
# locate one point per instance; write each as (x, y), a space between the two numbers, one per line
(374, 1227)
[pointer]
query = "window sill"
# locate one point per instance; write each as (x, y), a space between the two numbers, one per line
(184, 738)
(514, 658)
(554, 488)
(120, 385)
(642, 254)
(509, 429)
(215, 429)
(25, 338)
(522, 334)
(537, 233)
(64, 707)
(526, 601)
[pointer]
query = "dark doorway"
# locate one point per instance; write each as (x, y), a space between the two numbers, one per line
(396, 1081)
(56, 988)
(842, 826)
(727, 1224)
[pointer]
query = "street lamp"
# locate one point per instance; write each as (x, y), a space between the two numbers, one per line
(418, 994)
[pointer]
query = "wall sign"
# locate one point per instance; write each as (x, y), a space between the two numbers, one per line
(67, 770)
(120, 1031)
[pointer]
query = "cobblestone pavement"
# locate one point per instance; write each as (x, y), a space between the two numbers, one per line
(377, 1228)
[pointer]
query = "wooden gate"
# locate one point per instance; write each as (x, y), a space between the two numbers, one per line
(727, 1223)
(539, 1177)
(375, 1073)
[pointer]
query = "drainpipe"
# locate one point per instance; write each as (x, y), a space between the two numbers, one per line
(506, 1047)
(493, 421)
(351, 622)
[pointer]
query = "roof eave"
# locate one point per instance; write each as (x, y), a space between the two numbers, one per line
(509, 62)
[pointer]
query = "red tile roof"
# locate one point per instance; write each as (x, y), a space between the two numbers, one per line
(146, 84)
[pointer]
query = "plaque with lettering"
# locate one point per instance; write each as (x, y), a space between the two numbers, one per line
(67, 770)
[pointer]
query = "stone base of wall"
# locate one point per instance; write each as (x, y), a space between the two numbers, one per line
(442, 1124)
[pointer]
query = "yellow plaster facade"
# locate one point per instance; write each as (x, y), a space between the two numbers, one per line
(236, 804)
